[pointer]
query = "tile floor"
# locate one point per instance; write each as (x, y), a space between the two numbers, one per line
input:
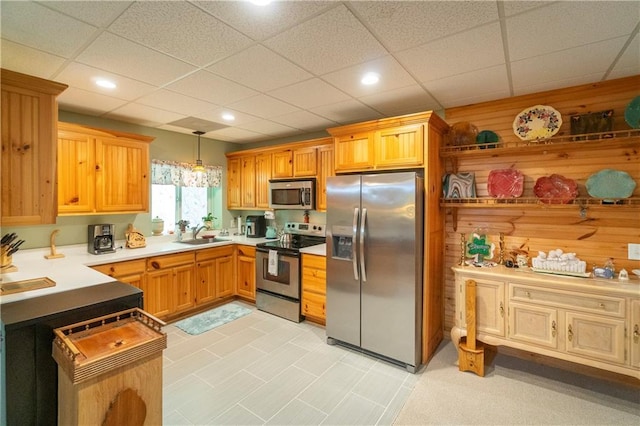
(261, 369)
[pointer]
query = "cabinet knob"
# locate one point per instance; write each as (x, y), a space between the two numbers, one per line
(528, 294)
(570, 333)
(554, 329)
(636, 333)
(502, 309)
(155, 265)
(601, 305)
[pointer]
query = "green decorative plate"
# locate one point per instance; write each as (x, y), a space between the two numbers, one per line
(632, 113)
(610, 184)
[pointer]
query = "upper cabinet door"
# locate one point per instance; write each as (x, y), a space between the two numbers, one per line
(122, 175)
(305, 162)
(400, 146)
(233, 183)
(76, 173)
(28, 165)
(263, 174)
(354, 152)
(282, 164)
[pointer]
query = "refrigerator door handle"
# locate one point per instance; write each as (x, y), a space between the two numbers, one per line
(363, 221)
(354, 260)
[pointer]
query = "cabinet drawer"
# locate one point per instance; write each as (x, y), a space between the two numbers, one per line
(313, 305)
(122, 268)
(169, 261)
(605, 305)
(247, 251)
(314, 280)
(213, 253)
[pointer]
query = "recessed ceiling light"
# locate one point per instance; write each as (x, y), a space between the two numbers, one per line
(260, 2)
(228, 116)
(370, 78)
(105, 83)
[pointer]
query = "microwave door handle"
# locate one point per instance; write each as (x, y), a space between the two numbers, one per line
(302, 197)
(354, 258)
(363, 221)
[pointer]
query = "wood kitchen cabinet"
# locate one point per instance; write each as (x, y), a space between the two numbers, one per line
(282, 164)
(586, 321)
(262, 176)
(233, 183)
(305, 162)
(131, 272)
(325, 170)
(314, 287)
(386, 144)
(171, 284)
(634, 333)
(28, 162)
(246, 272)
(248, 181)
(102, 171)
(214, 274)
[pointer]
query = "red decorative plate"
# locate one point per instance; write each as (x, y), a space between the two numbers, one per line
(555, 189)
(506, 183)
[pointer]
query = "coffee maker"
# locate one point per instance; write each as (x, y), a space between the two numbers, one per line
(255, 226)
(101, 238)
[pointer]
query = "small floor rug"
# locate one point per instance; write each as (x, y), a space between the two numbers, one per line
(213, 318)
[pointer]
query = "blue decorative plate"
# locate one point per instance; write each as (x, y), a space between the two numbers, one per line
(610, 184)
(632, 113)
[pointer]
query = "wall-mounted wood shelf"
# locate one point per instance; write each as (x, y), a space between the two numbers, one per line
(535, 202)
(605, 140)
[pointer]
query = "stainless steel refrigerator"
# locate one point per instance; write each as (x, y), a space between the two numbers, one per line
(374, 264)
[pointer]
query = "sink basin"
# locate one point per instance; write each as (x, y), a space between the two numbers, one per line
(199, 241)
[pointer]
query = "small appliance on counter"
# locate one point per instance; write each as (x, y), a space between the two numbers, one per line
(101, 238)
(255, 226)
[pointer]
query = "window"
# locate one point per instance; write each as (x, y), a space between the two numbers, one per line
(179, 194)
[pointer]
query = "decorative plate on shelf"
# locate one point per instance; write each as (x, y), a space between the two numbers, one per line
(632, 113)
(537, 122)
(555, 189)
(461, 185)
(610, 184)
(506, 183)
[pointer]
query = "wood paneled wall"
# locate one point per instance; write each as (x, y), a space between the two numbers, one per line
(603, 232)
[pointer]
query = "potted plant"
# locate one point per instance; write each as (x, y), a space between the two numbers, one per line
(208, 220)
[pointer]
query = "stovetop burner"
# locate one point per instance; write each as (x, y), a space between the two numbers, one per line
(301, 235)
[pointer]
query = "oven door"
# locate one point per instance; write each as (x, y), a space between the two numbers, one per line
(287, 280)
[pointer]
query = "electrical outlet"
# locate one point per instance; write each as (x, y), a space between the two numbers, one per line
(634, 251)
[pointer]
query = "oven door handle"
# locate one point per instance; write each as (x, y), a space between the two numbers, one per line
(363, 270)
(354, 258)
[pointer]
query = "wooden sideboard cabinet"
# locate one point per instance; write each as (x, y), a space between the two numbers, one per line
(588, 321)
(92, 177)
(28, 166)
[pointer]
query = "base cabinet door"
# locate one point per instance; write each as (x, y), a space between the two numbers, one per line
(314, 287)
(596, 337)
(246, 283)
(224, 276)
(634, 333)
(533, 324)
(158, 299)
(490, 307)
(184, 288)
(205, 281)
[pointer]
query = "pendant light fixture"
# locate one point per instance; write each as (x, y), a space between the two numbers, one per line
(198, 168)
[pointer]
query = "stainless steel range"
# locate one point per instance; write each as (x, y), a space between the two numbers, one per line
(278, 269)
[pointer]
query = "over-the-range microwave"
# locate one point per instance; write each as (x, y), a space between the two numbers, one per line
(292, 194)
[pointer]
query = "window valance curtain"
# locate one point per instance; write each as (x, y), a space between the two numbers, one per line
(180, 174)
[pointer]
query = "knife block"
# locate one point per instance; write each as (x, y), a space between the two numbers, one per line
(6, 261)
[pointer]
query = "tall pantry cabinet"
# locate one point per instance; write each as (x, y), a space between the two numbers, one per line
(29, 131)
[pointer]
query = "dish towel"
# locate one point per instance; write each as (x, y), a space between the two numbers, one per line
(273, 262)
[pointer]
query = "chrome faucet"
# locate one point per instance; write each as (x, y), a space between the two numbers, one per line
(196, 230)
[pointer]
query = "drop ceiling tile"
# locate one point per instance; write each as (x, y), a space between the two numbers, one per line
(259, 68)
(55, 33)
(259, 22)
(401, 101)
(400, 25)
(554, 69)
(514, 7)
(26, 60)
(84, 77)
(537, 32)
(392, 76)
(304, 120)
(475, 49)
(211, 88)
(179, 29)
(216, 116)
(112, 53)
(99, 13)
(269, 128)
(86, 102)
(629, 62)
(143, 115)
(333, 40)
(237, 135)
(310, 93)
(263, 106)
(172, 101)
(347, 112)
(463, 89)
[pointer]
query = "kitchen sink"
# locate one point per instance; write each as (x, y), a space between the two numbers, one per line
(199, 241)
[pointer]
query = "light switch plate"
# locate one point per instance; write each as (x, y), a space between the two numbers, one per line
(634, 251)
